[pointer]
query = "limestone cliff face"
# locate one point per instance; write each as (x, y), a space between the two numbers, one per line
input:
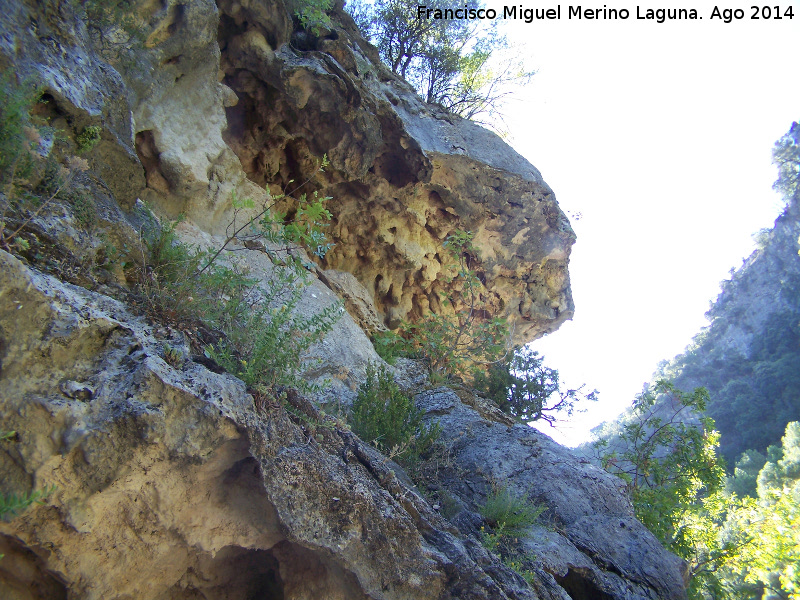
(403, 176)
(170, 481)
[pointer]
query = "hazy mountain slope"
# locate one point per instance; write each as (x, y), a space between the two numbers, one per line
(748, 357)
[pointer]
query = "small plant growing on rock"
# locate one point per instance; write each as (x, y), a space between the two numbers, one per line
(265, 351)
(13, 504)
(173, 356)
(390, 346)
(312, 13)
(177, 284)
(88, 138)
(512, 513)
(306, 228)
(113, 23)
(509, 515)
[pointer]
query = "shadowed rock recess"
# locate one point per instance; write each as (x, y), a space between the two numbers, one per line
(168, 481)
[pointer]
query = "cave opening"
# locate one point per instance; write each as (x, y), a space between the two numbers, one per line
(581, 587)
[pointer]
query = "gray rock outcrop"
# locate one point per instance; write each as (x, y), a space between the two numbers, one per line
(589, 541)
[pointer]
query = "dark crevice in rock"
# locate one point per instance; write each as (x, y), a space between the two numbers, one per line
(391, 167)
(232, 572)
(580, 587)
(148, 154)
(23, 574)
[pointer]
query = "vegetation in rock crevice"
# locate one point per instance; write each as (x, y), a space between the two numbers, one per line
(251, 328)
(508, 516)
(386, 417)
(13, 504)
(254, 330)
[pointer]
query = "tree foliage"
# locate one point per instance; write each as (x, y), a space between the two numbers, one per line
(738, 547)
(666, 453)
(667, 457)
(523, 386)
(786, 156)
(770, 567)
(452, 62)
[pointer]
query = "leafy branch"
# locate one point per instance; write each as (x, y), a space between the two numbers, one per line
(305, 228)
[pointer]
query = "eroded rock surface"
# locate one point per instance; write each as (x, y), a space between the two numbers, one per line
(170, 474)
(170, 485)
(403, 177)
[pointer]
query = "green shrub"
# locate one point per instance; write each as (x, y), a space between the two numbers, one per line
(522, 386)
(509, 515)
(261, 338)
(384, 416)
(88, 138)
(390, 346)
(508, 512)
(178, 284)
(58, 182)
(265, 351)
(312, 13)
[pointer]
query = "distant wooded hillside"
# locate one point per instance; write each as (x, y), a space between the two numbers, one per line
(748, 357)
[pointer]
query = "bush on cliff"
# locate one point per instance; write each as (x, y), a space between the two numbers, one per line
(467, 69)
(256, 332)
(382, 415)
(524, 387)
(509, 515)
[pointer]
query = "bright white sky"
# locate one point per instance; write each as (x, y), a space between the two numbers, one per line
(661, 136)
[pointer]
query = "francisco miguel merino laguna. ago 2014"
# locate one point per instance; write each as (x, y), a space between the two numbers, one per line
(659, 15)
